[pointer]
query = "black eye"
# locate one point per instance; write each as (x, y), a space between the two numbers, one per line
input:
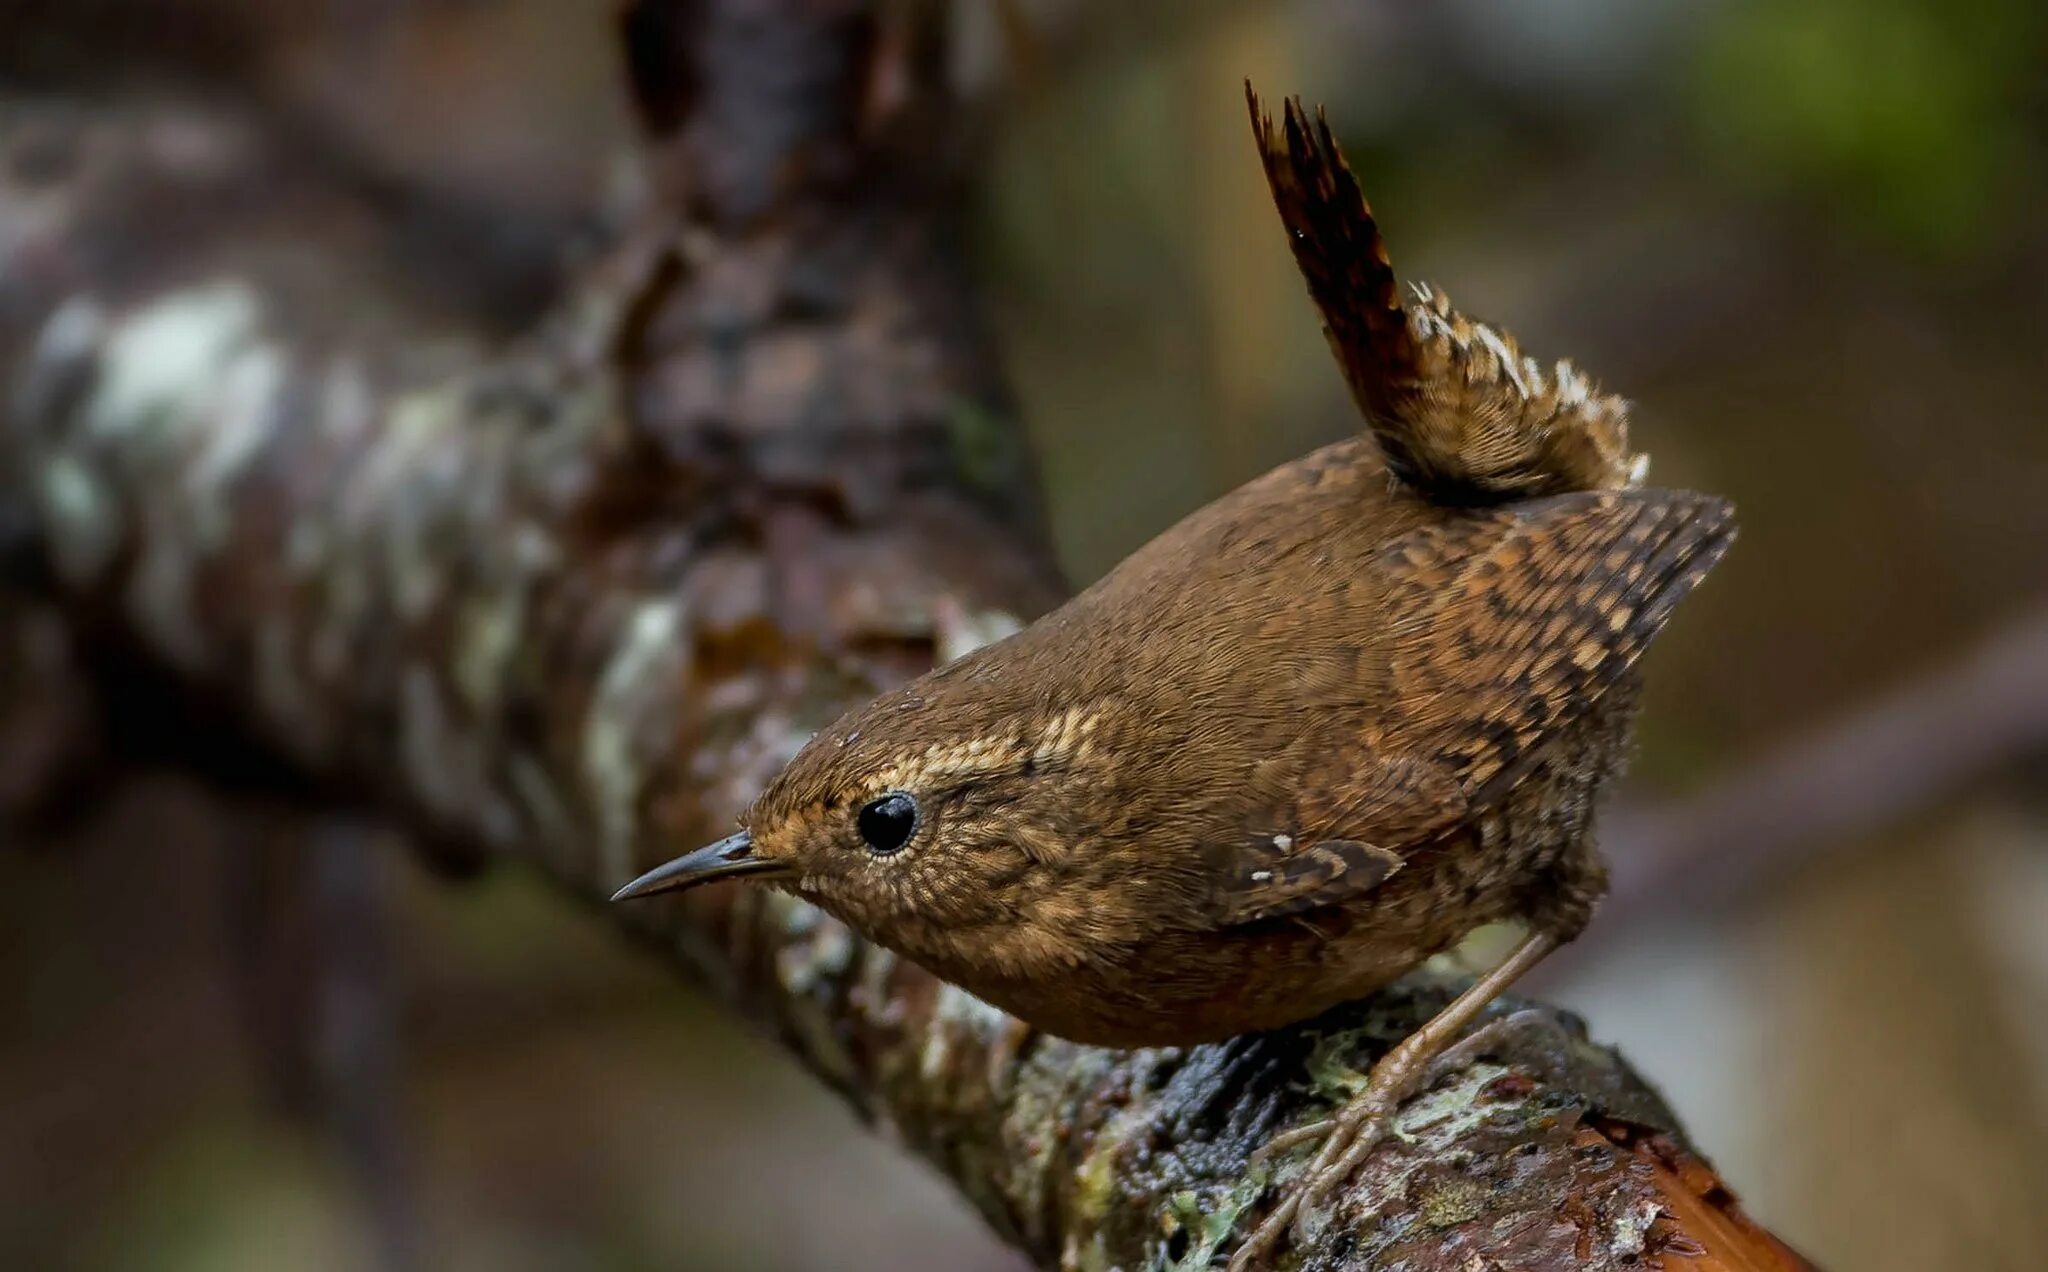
(887, 822)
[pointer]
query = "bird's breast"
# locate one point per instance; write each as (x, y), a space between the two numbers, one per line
(1194, 988)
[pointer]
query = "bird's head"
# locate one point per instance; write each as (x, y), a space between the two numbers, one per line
(925, 819)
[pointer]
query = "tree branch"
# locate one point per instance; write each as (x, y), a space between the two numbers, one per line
(573, 602)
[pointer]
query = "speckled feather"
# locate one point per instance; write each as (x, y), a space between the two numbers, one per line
(1455, 404)
(1312, 734)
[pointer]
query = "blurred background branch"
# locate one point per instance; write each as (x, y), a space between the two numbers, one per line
(1906, 751)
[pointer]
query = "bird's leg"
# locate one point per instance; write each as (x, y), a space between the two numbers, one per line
(1397, 1075)
(1539, 1043)
(1515, 1029)
(1351, 1134)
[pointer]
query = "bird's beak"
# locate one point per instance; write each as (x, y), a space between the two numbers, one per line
(726, 859)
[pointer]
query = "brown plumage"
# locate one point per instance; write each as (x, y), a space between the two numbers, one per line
(1304, 739)
(1457, 408)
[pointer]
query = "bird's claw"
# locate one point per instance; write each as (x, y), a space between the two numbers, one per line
(1348, 1139)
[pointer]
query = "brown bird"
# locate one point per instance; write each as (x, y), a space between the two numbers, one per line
(1303, 740)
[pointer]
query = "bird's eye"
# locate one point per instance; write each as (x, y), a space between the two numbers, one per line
(887, 822)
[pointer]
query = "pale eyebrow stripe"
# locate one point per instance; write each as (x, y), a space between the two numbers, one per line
(1064, 739)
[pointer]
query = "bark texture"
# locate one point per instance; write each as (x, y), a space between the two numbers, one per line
(573, 598)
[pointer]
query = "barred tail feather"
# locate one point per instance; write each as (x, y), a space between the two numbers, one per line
(1460, 413)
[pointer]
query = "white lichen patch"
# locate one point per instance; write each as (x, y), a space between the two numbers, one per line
(488, 632)
(957, 1013)
(816, 951)
(398, 491)
(1630, 1233)
(242, 414)
(347, 405)
(871, 995)
(634, 694)
(1450, 1110)
(182, 397)
(492, 618)
(821, 955)
(84, 521)
(165, 356)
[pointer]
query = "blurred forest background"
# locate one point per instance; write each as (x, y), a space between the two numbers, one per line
(1806, 239)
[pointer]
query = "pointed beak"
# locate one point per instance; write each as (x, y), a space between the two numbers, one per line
(728, 858)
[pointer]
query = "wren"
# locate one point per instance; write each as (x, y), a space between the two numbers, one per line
(1305, 739)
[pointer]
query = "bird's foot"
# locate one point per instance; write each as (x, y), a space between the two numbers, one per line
(1346, 1141)
(1369, 1117)
(1414, 1063)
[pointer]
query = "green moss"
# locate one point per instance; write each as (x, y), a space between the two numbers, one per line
(1096, 1182)
(86, 525)
(1331, 1075)
(1207, 1228)
(1446, 1203)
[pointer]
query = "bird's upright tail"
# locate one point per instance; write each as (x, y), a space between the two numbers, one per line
(1459, 411)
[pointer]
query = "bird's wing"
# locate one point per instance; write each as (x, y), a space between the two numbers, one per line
(1270, 881)
(1511, 622)
(1349, 832)
(1508, 624)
